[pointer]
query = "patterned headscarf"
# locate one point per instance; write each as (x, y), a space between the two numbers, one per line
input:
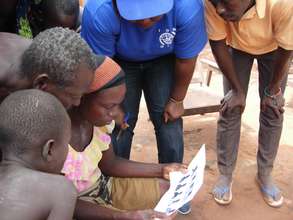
(108, 74)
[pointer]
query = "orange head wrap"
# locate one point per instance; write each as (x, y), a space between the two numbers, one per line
(107, 74)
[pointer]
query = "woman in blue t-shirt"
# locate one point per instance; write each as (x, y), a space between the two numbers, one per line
(156, 42)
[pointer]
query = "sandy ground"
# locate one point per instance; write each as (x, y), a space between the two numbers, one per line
(247, 200)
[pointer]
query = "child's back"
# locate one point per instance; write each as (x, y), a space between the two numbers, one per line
(26, 194)
(34, 136)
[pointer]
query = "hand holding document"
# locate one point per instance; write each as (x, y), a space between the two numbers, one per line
(183, 186)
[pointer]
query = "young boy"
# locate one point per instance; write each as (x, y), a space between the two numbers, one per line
(34, 136)
(240, 32)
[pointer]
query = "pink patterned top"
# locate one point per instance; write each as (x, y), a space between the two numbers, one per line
(82, 167)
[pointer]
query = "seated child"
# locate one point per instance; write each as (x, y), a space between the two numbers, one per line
(34, 136)
(106, 183)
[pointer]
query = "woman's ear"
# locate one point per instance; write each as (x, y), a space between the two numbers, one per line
(47, 150)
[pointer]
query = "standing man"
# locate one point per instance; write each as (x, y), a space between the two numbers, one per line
(156, 42)
(239, 32)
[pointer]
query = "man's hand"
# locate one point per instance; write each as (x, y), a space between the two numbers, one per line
(233, 100)
(173, 111)
(276, 104)
(150, 215)
(173, 167)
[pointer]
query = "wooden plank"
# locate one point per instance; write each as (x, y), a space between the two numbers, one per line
(200, 100)
(211, 64)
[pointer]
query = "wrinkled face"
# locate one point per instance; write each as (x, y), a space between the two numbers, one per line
(148, 22)
(231, 10)
(101, 108)
(71, 95)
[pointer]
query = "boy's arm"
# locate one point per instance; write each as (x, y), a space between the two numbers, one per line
(112, 165)
(63, 199)
(217, 32)
(236, 98)
(90, 211)
(282, 61)
(273, 95)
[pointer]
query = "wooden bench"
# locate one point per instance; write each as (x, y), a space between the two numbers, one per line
(200, 98)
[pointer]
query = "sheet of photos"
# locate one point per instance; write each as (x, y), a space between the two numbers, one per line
(183, 186)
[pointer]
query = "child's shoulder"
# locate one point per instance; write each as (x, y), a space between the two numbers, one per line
(45, 193)
(39, 182)
(58, 184)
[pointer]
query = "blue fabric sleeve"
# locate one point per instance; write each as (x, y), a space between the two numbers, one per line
(191, 35)
(99, 29)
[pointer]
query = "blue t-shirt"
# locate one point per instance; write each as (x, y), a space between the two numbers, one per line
(181, 31)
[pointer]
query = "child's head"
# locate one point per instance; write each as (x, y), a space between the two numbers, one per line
(53, 13)
(34, 130)
(108, 89)
(59, 62)
(12, 47)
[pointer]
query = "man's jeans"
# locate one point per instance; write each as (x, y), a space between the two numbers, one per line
(155, 78)
(228, 132)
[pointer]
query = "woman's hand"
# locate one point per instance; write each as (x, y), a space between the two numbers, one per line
(171, 167)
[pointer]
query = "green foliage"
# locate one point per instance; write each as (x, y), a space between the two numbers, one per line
(25, 29)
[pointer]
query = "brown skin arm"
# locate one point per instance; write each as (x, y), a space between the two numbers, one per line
(90, 211)
(184, 69)
(282, 61)
(236, 97)
(85, 210)
(281, 64)
(112, 165)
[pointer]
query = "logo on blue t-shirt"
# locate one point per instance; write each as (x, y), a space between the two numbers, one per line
(166, 38)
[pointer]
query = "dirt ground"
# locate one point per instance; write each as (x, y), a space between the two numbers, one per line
(247, 201)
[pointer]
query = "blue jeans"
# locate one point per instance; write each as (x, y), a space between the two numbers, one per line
(155, 78)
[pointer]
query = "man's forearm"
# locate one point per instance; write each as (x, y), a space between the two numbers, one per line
(224, 60)
(281, 64)
(184, 69)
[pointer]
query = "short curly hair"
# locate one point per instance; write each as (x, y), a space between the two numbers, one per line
(57, 52)
(28, 118)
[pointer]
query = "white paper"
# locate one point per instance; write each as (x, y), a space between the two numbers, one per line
(183, 187)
